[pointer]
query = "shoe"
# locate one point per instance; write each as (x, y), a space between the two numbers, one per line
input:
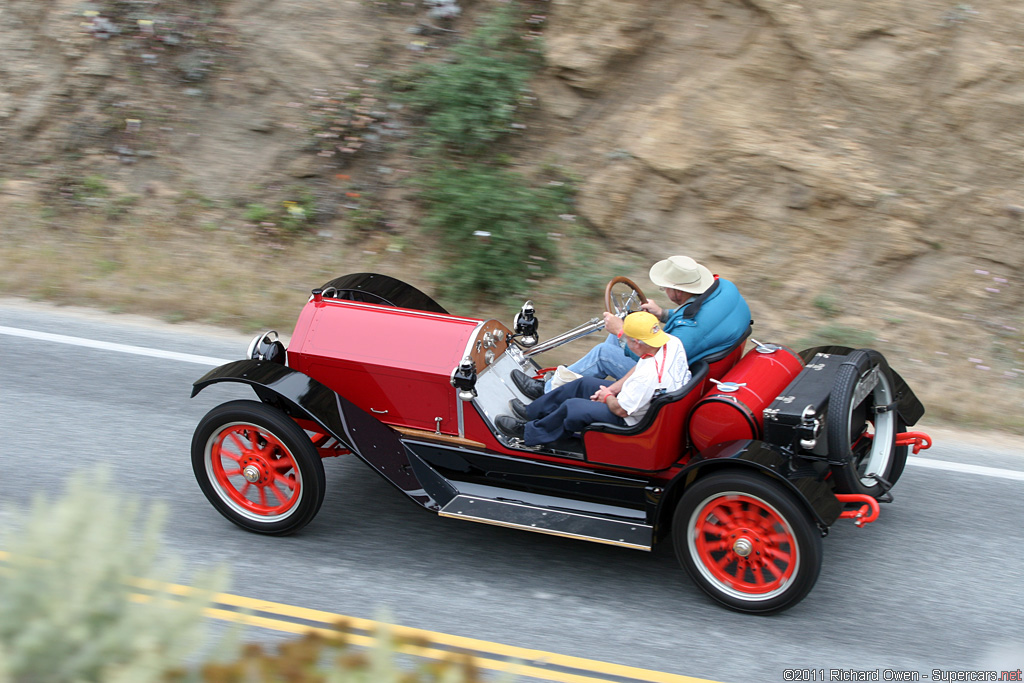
(518, 409)
(510, 426)
(563, 375)
(531, 388)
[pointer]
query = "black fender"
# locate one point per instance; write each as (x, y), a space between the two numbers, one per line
(375, 288)
(372, 441)
(908, 405)
(750, 454)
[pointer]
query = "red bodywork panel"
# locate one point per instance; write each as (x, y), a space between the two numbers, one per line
(394, 363)
(726, 415)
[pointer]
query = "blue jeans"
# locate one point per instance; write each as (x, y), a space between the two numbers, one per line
(566, 411)
(607, 359)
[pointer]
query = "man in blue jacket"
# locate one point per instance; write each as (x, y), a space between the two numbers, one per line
(712, 316)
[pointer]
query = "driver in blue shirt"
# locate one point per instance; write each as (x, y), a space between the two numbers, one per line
(711, 316)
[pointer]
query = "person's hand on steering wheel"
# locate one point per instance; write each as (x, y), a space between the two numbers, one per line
(652, 308)
(612, 323)
(619, 306)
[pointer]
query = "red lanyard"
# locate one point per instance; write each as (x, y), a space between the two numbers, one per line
(664, 361)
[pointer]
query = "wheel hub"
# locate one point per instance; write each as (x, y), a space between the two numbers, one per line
(252, 473)
(742, 547)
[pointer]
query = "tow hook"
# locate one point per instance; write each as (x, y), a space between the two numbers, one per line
(919, 440)
(865, 514)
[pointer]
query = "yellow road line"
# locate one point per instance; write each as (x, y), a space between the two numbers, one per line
(514, 659)
(419, 642)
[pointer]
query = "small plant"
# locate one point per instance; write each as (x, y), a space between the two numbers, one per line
(296, 215)
(290, 218)
(472, 101)
(108, 266)
(827, 304)
(495, 222)
(365, 219)
(257, 213)
(119, 207)
(842, 335)
(94, 186)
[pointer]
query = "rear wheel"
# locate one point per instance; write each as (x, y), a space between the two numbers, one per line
(746, 541)
(862, 424)
(258, 468)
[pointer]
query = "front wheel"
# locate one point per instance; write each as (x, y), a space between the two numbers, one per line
(746, 542)
(258, 468)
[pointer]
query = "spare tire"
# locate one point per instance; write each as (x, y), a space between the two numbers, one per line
(861, 425)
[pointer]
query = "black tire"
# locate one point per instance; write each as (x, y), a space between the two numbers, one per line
(781, 542)
(278, 485)
(865, 441)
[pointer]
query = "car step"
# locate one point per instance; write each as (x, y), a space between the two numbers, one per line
(546, 520)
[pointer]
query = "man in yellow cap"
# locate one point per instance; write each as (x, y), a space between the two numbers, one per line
(571, 407)
(711, 316)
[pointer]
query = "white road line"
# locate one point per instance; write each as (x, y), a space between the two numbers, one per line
(110, 346)
(966, 469)
(210, 360)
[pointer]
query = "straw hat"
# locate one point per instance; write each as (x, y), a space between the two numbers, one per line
(683, 273)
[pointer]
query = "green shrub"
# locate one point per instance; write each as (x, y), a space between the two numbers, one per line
(472, 100)
(95, 186)
(257, 213)
(65, 613)
(84, 598)
(828, 304)
(494, 223)
(841, 335)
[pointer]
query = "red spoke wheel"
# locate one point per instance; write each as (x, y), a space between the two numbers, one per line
(257, 467)
(747, 542)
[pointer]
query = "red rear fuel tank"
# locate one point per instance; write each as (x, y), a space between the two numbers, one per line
(734, 409)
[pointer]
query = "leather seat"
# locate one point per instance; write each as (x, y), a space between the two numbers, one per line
(658, 440)
(662, 403)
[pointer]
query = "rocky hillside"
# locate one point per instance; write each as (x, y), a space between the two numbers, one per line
(854, 165)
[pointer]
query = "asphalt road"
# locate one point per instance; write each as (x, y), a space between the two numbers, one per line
(936, 583)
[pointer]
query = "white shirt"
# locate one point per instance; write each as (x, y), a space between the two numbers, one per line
(667, 369)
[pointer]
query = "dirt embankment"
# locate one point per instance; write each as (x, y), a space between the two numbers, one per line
(854, 166)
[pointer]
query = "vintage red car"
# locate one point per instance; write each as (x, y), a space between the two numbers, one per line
(744, 468)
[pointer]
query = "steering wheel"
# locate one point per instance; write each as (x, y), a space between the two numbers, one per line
(622, 304)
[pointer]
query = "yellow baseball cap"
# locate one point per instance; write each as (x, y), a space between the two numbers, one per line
(645, 327)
